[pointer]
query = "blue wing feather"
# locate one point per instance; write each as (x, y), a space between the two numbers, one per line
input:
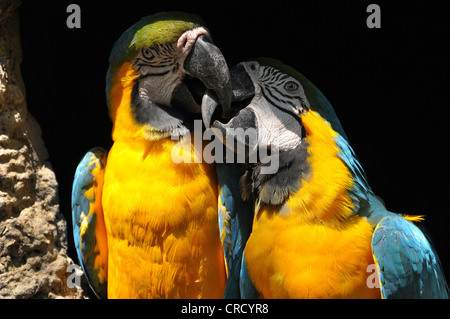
(235, 222)
(246, 287)
(86, 190)
(409, 267)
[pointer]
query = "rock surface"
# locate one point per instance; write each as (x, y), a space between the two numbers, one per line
(33, 232)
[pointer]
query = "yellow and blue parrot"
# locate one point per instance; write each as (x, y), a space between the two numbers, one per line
(145, 226)
(318, 229)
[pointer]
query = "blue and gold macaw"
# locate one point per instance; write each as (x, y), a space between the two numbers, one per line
(318, 229)
(145, 225)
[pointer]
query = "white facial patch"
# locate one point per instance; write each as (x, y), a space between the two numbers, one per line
(161, 90)
(274, 127)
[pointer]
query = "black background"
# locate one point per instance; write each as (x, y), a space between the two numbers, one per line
(389, 86)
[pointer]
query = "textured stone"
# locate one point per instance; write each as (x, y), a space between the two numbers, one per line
(33, 232)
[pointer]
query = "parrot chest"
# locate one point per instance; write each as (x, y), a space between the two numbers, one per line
(314, 246)
(289, 257)
(161, 221)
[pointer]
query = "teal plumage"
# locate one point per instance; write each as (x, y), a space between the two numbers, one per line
(235, 223)
(409, 266)
(84, 216)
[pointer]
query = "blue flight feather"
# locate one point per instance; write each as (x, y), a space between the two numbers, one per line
(239, 217)
(81, 216)
(409, 267)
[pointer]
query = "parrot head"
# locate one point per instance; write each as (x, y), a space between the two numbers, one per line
(164, 63)
(276, 99)
(269, 89)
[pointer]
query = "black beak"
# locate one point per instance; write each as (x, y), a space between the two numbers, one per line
(240, 134)
(242, 89)
(235, 134)
(206, 63)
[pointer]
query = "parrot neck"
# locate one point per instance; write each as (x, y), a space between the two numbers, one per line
(325, 182)
(325, 194)
(133, 117)
(119, 97)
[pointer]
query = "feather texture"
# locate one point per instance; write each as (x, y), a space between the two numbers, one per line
(409, 267)
(324, 238)
(88, 221)
(161, 216)
(318, 248)
(235, 221)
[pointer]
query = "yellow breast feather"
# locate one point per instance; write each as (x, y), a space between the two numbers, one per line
(320, 248)
(161, 216)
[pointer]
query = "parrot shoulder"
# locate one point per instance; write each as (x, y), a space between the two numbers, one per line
(88, 221)
(408, 265)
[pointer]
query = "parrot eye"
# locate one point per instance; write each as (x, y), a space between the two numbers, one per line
(291, 86)
(147, 53)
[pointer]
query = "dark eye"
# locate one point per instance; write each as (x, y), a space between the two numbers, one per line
(147, 53)
(291, 86)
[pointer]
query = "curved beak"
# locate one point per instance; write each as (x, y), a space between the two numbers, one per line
(242, 89)
(206, 63)
(240, 134)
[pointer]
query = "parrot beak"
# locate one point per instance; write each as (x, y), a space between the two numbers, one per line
(206, 63)
(240, 134)
(242, 89)
(235, 134)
